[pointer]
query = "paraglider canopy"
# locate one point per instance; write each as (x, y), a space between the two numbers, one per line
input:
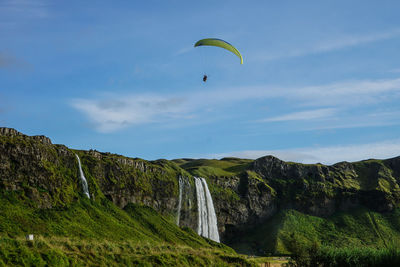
(219, 43)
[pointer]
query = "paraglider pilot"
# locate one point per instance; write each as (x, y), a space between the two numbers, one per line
(204, 78)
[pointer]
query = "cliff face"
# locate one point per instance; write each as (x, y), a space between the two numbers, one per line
(321, 190)
(246, 193)
(49, 174)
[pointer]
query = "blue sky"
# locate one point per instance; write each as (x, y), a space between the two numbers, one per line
(320, 80)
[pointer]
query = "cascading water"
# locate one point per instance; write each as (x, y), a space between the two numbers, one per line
(212, 217)
(207, 219)
(83, 179)
(181, 184)
(202, 226)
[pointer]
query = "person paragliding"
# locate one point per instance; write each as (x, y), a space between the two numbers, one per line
(218, 43)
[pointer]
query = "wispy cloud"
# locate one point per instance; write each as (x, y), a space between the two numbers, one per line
(326, 155)
(184, 50)
(354, 40)
(361, 120)
(349, 93)
(357, 92)
(115, 113)
(333, 44)
(303, 115)
(395, 70)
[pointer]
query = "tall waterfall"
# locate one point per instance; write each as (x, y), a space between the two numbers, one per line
(181, 184)
(83, 179)
(207, 219)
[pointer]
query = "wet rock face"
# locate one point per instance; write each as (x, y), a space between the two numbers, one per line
(253, 203)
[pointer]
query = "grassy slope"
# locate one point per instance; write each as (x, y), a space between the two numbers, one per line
(99, 233)
(360, 228)
(213, 167)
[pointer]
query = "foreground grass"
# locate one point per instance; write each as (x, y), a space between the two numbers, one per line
(278, 261)
(90, 233)
(58, 251)
(316, 256)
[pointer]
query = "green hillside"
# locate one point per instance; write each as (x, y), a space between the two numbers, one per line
(264, 207)
(358, 228)
(214, 167)
(99, 233)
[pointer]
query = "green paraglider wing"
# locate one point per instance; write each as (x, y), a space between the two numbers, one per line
(219, 43)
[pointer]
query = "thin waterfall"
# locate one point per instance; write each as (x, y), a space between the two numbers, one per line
(199, 191)
(207, 219)
(181, 185)
(83, 179)
(202, 225)
(212, 217)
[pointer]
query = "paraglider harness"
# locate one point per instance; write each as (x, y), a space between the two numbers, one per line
(205, 78)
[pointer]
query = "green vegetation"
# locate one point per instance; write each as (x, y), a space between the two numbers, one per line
(321, 256)
(359, 228)
(56, 251)
(135, 175)
(40, 193)
(99, 233)
(213, 167)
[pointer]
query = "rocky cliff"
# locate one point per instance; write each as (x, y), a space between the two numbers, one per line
(246, 193)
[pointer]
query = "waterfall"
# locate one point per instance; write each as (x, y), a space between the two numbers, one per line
(181, 184)
(212, 217)
(83, 179)
(207, 219)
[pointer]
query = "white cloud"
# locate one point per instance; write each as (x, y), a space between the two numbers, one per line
(337, 43)
(348, 93)
(354, 40)
(303, 115)
(114, 113)
(359, 120)
(184, 50)
(341, 94)
(326, 155)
